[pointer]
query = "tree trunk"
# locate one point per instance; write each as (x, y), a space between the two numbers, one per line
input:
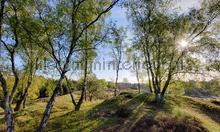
(137, 75)
(86, 64)
(166, 86)
(159, 99)
(24, 102)
(167, 83)
(116, 81)
(16, 79)
(85, 95)
(158, 68)
(50, 104)
(23, 97)
(18, 105)
(12, 57)
(7, 109)
(70, 92)
(13, 90)
(90, 98)
(77, 108)
(150, 70)
(2, 15)
(139, 88)
(118, 57)
(157, 85)
(78, 105)
(150, 86)
(149, 81)
(72, 98)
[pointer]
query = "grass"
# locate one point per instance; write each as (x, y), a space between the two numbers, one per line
(106, 115)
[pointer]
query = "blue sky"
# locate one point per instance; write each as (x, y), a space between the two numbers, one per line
(119, 16)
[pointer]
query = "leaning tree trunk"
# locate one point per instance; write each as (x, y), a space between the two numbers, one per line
(16, 79)
(24, 102)
(148, 74)
(149, 81)
(50, 104)
(78, 105)
(7, 109)
(84, 87)
(166, 85)
(70, 92)
(160, 95)
(23, 97)
(72, 98)
(150, 70)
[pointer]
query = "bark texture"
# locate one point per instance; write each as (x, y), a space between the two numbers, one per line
(7, 109)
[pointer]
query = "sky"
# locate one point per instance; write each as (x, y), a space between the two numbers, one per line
(119, 16)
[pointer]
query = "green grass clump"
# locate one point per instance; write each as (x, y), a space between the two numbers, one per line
(104, 115)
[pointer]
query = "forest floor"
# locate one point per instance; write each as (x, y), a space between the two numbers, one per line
(124, 113)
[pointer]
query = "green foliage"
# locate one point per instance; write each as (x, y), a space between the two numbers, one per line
(46, 89)
(39, 84)
(177, 88)
(110, 85)
(95, 87)
(159, 34)
(195, 88)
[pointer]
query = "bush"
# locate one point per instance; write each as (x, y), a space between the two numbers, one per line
(95, 87)
(47, 89)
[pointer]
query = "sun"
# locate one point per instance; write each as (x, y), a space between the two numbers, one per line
(183, 43)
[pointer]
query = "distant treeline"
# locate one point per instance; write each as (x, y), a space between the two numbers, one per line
(43, 87)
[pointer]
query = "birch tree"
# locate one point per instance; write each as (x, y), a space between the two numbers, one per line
(116, 53)
(65, 26)
(7, 109)
(165, 39)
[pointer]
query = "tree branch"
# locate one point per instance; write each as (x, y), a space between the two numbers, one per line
(96, 19)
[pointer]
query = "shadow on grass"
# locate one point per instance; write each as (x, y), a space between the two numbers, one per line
(209, 109)
(126, 112)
